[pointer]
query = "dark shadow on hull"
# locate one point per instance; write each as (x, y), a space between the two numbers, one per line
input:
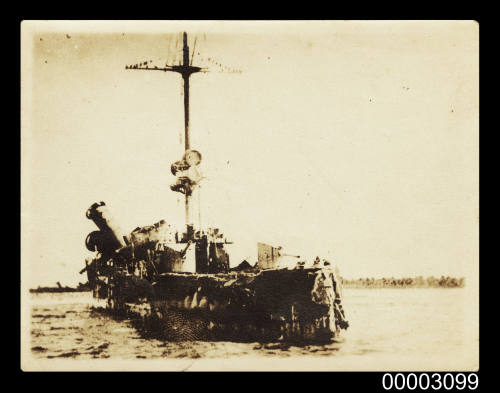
(179, 328)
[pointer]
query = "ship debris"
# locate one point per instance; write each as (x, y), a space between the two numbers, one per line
(180, 284)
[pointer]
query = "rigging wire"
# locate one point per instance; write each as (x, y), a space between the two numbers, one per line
(169, 52)
(194, 47)
(199, 206)
(176, 49)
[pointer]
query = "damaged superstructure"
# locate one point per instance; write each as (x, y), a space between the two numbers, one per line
(181, 283)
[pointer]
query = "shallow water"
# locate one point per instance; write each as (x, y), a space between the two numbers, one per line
(389, 329)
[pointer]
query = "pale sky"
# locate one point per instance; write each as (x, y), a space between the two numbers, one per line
(354, 141)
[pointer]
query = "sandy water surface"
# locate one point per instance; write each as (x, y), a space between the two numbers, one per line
(390, 329)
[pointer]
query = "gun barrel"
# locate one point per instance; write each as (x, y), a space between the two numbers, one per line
(100, 215)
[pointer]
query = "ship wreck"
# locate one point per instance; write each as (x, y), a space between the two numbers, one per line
(180, 283)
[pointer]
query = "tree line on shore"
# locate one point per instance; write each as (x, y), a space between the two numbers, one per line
(405, 282)
(79, 288)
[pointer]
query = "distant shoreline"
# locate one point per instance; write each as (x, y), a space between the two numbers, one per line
(59, 288)
(405, 282)
(56, 290)
(369, 283)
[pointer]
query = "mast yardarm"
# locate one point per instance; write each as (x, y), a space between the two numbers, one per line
(186, 168)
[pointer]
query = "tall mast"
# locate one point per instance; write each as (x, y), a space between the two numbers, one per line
(185, 69)
(185, 77)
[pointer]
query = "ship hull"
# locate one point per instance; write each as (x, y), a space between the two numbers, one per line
(300, 305)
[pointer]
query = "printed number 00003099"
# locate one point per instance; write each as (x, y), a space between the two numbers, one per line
(435, 381)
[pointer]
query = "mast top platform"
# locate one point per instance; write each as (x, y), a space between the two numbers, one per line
(185, 69)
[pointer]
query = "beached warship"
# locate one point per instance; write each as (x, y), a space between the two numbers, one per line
(181, 283)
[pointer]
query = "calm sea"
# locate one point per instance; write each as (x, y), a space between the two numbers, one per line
(390, 329)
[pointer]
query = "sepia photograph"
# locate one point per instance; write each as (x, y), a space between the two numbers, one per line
(250, 195)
